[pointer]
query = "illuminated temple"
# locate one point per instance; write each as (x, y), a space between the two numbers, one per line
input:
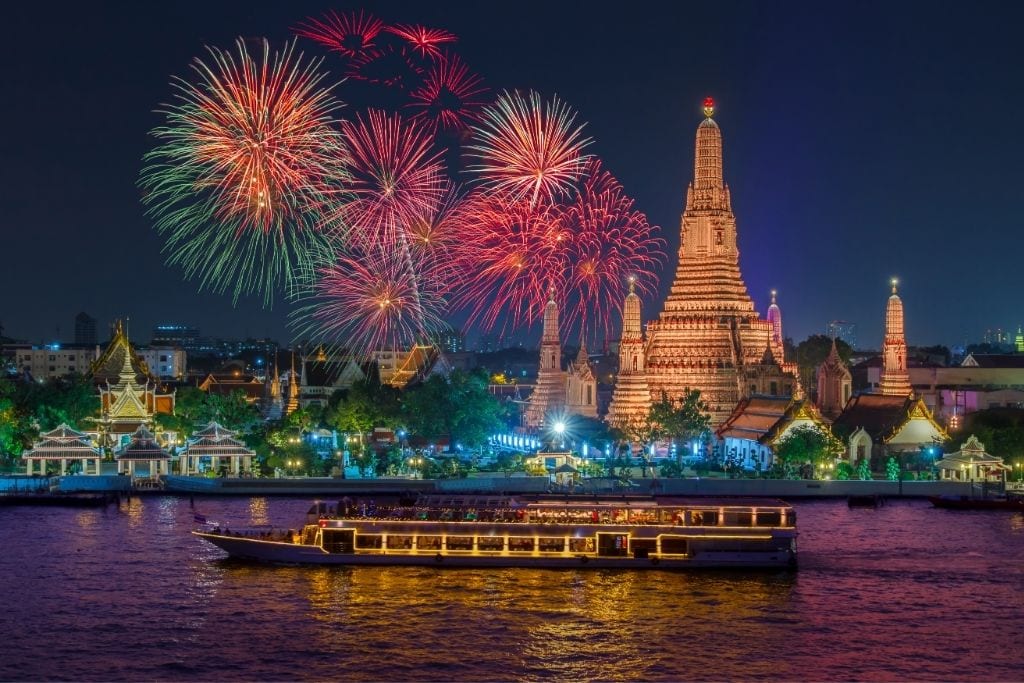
(708, 336)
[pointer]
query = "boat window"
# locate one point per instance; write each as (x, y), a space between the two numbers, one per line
(643, 547)
(581, 545)
(769, 518)
(614, 545)
(490, 543)
(739, 518)
(400, 542)
(338, 541)
(460, 542)
(370, 541)
(673, 545)
(520, 544)
(704, 517)
(552, 545)
(428, 542)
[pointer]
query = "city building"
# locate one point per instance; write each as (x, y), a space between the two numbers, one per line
(843, 330)
(181, 336)
(708, 336)
(51, 361)
(165, 362)
(85, 330)
(450, 340)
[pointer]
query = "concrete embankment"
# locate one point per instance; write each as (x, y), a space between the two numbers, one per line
(325, 486)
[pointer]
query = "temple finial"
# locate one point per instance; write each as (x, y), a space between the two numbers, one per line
(774, 292)
(632, 284)
(709, 107)
(894, 282)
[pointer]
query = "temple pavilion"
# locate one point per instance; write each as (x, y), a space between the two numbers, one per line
(68, 447)
(142, 456)
(972, 463)
(214, 447)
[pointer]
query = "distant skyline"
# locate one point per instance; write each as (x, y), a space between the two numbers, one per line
(861, 141)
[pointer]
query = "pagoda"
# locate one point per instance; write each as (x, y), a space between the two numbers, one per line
(549, 393)
(142, 455)
(835, 384)
(581, 385)
(215, 446)
(895, 379)
(631, 398)
(709, 337)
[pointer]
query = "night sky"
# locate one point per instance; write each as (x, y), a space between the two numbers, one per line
(862, 140)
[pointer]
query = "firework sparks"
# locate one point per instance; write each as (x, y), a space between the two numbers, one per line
(609, 242)
(529, 148)
(425, 41)
(237, 180)
(451, 94)
(513, 259)
(351, 34)
(388, 65)
(395, 176)
(371, 300)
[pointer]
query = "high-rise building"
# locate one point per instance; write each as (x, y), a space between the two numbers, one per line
(709, 337)
(175, 335)
(895, 379)
(85, 329)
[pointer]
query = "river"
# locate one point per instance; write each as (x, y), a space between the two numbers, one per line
(904, 592)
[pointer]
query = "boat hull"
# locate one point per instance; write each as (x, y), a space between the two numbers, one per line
(274, 552)
(976, 504)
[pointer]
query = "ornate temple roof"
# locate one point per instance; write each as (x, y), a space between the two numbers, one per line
(214, 439)
(62, 443)
(143, 446)
(109, 366)
(764, 418)
(882, 416)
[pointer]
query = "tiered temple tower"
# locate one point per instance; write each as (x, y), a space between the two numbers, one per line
(834, 384)
(895, 380)
(549, 393)
(632, 395)
(709, 337)
(775, 320)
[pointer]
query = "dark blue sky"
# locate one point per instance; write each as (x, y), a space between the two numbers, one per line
(862, 140)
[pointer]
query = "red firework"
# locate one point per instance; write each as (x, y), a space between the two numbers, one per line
(350, 34)
(514, 257)
(422, 39)
(437, 239)
(451, 94)
(395, 177)
(372, 300)
(610, 242)
(388, 65)
(529, 148)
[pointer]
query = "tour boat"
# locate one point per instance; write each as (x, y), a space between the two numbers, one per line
(478, 531)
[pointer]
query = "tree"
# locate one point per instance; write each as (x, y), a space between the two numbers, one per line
(892, 469)
(805, 445)
(684, 420)
(233, 411)
(459, 406)
(864, 470)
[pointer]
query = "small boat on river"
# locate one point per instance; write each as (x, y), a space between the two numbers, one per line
(967, 503)
(494, 531)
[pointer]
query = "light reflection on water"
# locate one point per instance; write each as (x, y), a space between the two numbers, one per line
(903, 592)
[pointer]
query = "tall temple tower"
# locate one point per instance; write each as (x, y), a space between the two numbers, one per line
(835, 384)
(293, 390)
(895, 380)
(632, 395)
(775, 320)
(581, 385)
(709, 337)
(549, 393)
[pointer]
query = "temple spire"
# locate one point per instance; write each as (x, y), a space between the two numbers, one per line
(895, 379)
(707, 162)
(775, 339)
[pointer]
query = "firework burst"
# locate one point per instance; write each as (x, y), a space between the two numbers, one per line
(238, 178)
(514, 256)
(437, 239)
(388, 65)
(395, 177)
(351, 34)
(529, 148)
(371, 300)
(450, 96)
(608, 243)
(425, 41)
